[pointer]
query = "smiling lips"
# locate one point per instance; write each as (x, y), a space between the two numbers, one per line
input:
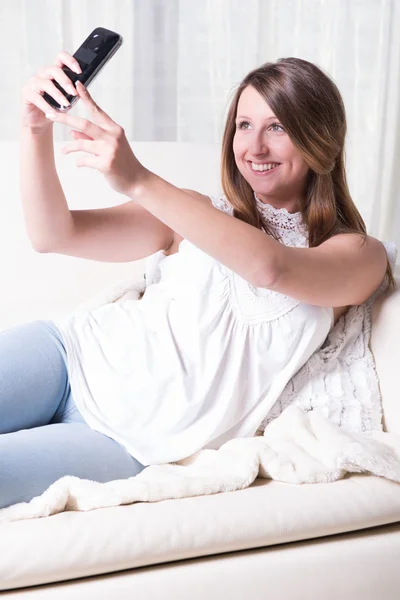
(263, 169)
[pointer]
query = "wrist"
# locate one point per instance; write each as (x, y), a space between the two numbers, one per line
(36, 130)
(139, 186)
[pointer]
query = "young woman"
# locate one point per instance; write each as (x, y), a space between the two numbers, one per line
(241, 289)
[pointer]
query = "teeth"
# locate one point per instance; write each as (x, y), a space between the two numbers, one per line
(265, 167)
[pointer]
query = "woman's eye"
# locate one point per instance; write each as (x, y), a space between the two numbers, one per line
(246, 125)
(277, 125)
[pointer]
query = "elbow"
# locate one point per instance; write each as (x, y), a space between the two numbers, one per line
(266, 277)
(271, 270)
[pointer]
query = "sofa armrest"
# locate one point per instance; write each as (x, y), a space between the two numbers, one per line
(385, 347)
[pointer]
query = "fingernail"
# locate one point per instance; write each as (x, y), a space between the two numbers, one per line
(72, 90)
(50, 116)
(77, 69)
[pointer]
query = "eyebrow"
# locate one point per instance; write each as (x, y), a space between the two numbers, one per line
(244, 117)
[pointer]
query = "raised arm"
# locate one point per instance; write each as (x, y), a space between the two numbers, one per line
(46, 213)
(120, 233)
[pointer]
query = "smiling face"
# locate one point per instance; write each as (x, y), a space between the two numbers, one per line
(261, 139)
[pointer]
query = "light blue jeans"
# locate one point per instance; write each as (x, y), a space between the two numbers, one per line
(42, 434)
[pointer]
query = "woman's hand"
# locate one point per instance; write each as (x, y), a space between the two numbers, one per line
(104, 143)
(34, 106)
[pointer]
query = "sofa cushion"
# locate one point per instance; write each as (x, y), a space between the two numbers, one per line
(76, 544)
(349, 566)
(384, 343)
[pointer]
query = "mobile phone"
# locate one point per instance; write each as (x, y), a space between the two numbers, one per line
(92, 55)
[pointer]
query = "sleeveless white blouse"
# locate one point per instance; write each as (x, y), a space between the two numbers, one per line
(199, 360)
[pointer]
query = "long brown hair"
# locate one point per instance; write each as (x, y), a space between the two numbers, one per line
(310, 107)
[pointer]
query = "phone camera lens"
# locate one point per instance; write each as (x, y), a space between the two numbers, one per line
(95, 42)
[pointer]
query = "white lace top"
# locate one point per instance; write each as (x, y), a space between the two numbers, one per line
(199, 360)
(289, 226)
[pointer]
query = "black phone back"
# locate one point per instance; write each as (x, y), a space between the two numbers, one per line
(92, 55)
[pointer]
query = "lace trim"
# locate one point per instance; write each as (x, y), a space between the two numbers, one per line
(278, 217)
(289, 227)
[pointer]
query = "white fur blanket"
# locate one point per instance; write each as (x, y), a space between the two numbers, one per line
(326, 423)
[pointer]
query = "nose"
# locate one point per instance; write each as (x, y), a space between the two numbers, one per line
(258, 143)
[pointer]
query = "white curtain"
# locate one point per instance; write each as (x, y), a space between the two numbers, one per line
(181, 59)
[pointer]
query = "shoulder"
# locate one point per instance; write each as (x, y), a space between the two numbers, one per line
(368, 246)
(362, 249)
(365, 254)
(344, 270)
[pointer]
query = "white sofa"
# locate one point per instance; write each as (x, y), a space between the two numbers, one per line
(271, 540)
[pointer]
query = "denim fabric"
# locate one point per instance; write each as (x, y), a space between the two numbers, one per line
(42, 433)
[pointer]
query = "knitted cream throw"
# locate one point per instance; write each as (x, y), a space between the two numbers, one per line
(327, 422)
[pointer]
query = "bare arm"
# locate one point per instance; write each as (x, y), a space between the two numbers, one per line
(46, 213)
(120, 233)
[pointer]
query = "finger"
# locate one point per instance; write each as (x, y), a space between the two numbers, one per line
(37, 99)
(78, 135)
(65, 59)
(98, 114)
(46, 85)
(60, 76)
(84, 125)
(89, 146)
